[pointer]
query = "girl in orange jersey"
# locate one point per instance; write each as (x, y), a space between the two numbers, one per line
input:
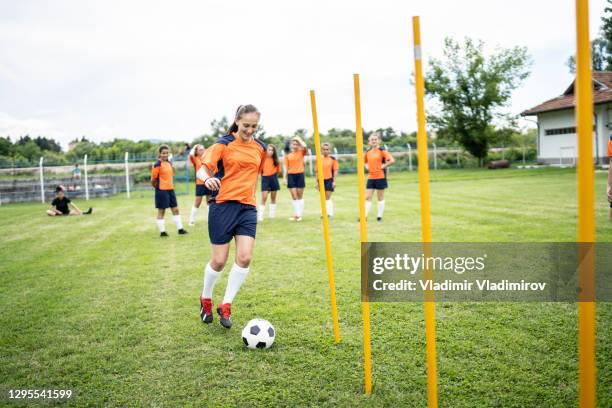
(330, 171)
(195, 157)
(293, 174)
(230, 170)
(376, 160)
(269, 182)
(162, 174)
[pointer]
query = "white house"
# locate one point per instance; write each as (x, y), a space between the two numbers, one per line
(557, 124)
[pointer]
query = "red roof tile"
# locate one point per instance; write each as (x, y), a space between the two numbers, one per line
(602, 93)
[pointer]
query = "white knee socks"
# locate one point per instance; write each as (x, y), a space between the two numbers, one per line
(236, 277)
(161, 225)
(329, 204)
(210, 279)
(368, 205)
(194, 214)
(381, 208)
(260, 213)
(272, 210)
(177, 222)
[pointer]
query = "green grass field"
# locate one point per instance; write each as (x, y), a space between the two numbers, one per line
(102, 305)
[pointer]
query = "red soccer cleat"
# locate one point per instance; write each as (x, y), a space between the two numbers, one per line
(225, 312)
(206, 310)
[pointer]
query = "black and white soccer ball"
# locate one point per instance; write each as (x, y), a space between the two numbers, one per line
(258, 333)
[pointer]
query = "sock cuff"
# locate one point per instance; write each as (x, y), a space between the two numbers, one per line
(209, 269)
(240, 269)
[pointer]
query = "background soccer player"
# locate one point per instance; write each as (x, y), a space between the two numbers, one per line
(330, 171)
(161, 178)
(195, 157)
(269, 182)
(293, 173)
(61, 205)
(376, 160)
(230, 170)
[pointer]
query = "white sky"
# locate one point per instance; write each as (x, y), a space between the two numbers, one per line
(164, 70)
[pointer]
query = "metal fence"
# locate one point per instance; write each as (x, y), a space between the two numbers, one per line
(86, 180)
(112, 177)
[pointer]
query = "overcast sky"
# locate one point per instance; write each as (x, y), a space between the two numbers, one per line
(164, 70)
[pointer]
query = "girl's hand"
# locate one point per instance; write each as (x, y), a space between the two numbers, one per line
(213, 183)
(334, 184)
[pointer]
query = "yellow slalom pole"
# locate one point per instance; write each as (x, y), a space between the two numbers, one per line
(430, 306)
(363, 237)
(586, 208)
(328, 253)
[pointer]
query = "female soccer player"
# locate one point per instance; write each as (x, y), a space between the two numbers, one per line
(293, 173)
(195, 157)
(161, 178)
(60, 205)
(230, 170)
(330, 171)
(269, 182)
(376, 159)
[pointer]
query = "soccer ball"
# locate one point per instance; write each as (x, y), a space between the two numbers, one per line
(258, 333)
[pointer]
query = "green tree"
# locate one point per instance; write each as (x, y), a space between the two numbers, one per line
(219, 127)
(471, 90)
(6, 146)
(601, 47)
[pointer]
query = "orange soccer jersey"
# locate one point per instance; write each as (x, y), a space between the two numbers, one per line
(236, 163)
(197, 163)
(163, 172)
(375, 158)
(610, 147)
(269, 169)
(330, 165)
(295, 161)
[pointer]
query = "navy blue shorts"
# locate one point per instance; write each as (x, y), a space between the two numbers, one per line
(269, 183)
(296, 180)
(202, 190)
(165, 199)
(231, 218)
(329, 184)
(377, 184)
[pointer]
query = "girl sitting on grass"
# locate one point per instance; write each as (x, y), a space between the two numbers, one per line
(61, 205)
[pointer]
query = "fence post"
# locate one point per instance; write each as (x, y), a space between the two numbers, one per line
(409, 156)
(310, 161)
(435, 154)
(127, 174)
(336, 152)
(503, 152)
(42, 180)
(86, 178)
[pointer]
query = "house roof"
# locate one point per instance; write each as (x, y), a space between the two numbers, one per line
(602, 93)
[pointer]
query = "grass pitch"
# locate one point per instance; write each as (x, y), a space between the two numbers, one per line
(103, 306)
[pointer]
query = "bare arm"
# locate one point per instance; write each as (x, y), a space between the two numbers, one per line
(390, 161)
